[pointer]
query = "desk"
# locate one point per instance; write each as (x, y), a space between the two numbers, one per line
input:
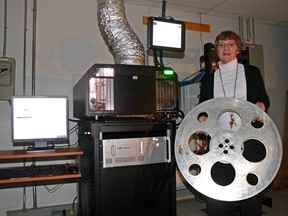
(23, 154)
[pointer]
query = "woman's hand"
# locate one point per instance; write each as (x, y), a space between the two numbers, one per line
(261, 106)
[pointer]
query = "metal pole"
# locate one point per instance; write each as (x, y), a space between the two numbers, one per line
(24, 82)
(5, 28)
(248, 27)
(253, 30)
(33, 78)
(240, 21)
(34, 45)
(24, 48)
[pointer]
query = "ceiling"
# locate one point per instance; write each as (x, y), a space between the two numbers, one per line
(262, 11)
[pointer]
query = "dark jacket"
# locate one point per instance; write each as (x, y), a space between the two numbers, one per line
(256, 91)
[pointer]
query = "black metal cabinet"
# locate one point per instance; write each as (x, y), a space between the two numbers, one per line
(128, 168)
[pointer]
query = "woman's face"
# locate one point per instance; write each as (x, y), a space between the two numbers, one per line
(227, 50)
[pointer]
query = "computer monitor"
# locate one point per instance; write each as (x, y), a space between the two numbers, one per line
(166, 34)
(39, 121)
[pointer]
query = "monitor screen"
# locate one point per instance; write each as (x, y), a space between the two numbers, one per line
(166, 34)
(39, 120)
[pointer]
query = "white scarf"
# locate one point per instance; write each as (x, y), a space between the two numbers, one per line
(228, 73)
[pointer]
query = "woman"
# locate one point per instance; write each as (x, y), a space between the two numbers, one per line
(235, 80)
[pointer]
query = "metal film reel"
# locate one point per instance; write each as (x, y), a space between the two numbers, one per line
(233, 155)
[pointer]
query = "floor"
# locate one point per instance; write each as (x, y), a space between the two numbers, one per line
(191, 207)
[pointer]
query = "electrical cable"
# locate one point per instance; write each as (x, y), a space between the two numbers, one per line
(163, 15)
(74, 120)
(156, 62)
(155, 52)
(161, 58)
(197, 77)
(191, 75)
(52, 190)
(73, 129)
(73, 203)
(181, 115)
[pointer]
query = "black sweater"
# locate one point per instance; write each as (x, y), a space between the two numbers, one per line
(255, 86)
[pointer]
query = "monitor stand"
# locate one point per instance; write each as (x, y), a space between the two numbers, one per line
(40, 147)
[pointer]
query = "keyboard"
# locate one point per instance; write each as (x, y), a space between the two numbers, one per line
(32, 171)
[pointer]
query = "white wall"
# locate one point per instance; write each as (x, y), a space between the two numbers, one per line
(69, 42)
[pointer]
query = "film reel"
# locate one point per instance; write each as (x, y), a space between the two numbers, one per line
(228, 149)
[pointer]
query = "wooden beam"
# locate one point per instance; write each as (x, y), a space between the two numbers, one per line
(192, 26)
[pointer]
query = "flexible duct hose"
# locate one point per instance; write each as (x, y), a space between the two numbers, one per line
(120, 38)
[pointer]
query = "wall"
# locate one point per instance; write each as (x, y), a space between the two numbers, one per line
(69, 42)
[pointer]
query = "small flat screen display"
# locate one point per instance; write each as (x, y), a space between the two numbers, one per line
(166, 34)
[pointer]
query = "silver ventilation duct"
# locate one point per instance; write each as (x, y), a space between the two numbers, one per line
(120, 38)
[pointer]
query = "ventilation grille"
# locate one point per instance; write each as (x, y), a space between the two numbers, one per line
(166, 94)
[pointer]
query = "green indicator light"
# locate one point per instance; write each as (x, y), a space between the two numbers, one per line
(168, 72)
